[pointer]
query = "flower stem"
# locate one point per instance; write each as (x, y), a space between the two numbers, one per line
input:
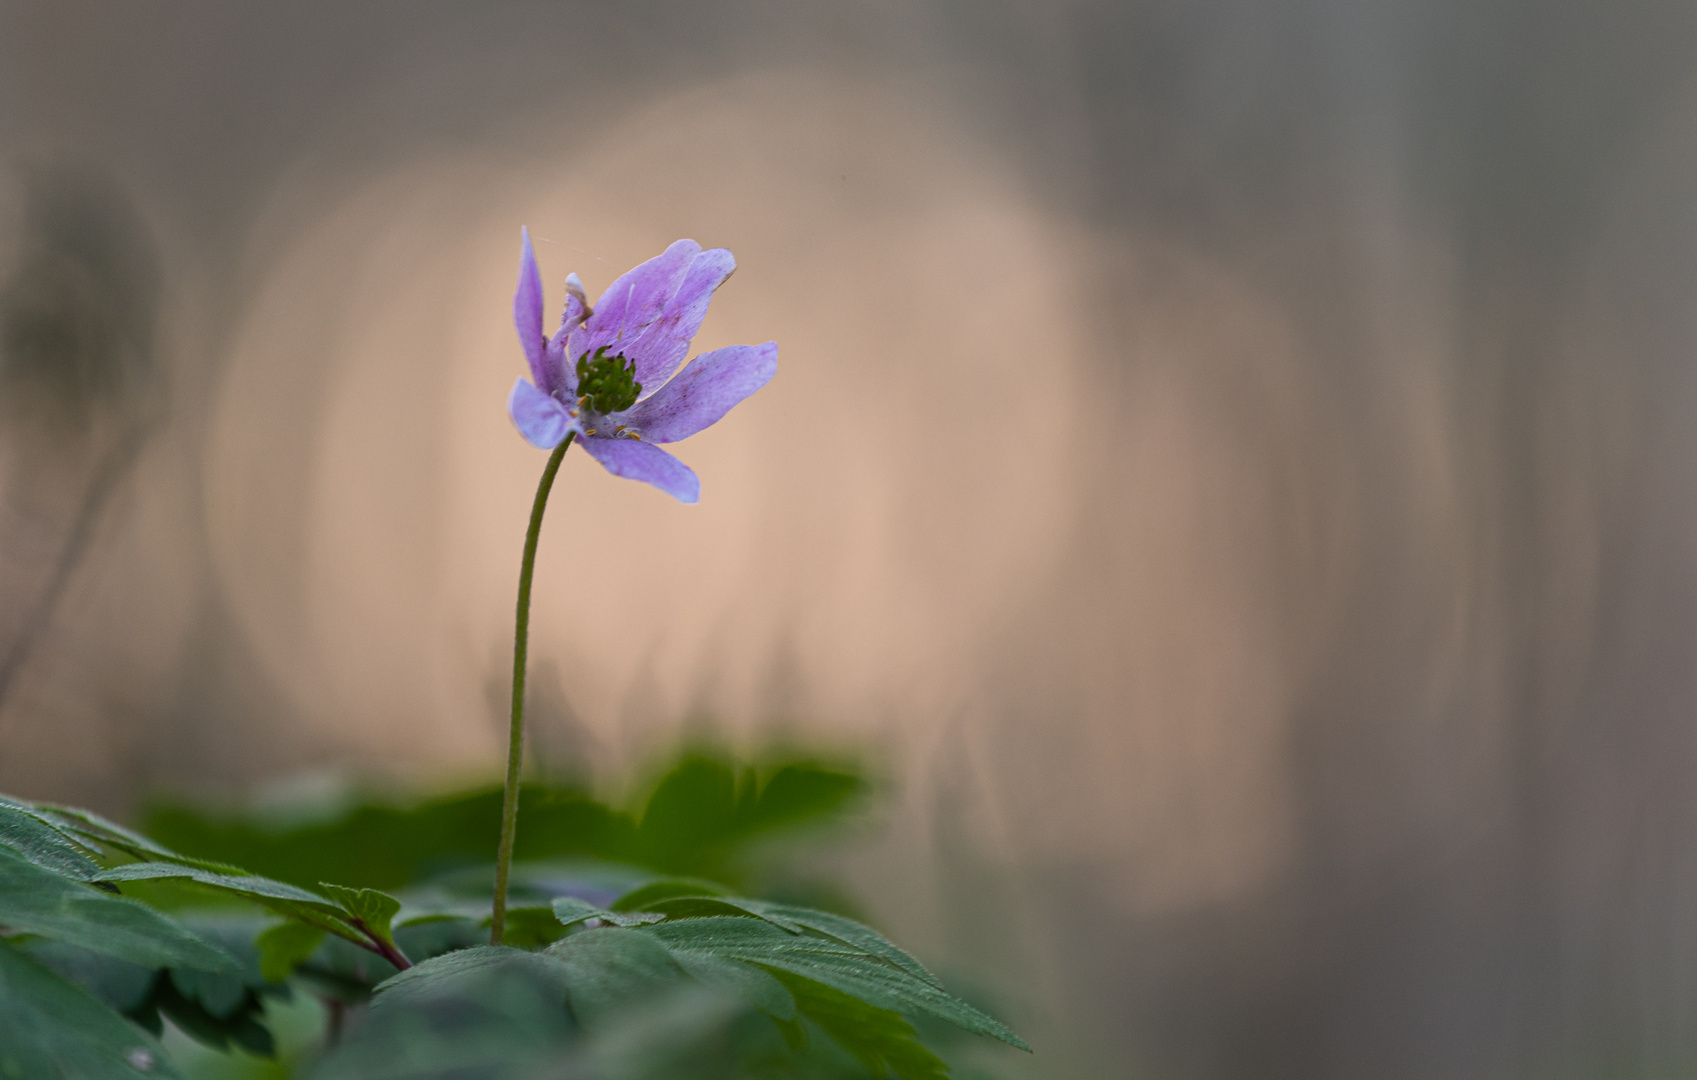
(515, 738)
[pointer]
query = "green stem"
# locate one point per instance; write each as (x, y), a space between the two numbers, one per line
(515, 737)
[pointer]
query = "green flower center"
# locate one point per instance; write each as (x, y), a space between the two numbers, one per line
(607, 381)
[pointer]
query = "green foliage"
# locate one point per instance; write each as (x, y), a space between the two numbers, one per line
(284, 947)
(640, 973)
(25, 833)
(703, 810)
(482, 1012)
(55, 1030)
(370, 910)
(96, 833)
(568, 911)
(220, 1009)
(830, 961)
(284, 899)
(878, 1038)
(382, 844)
(704, 815)
(34, 900)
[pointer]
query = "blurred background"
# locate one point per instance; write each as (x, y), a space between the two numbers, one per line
(1235, 465)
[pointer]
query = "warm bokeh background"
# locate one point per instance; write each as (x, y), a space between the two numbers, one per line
(1237, 462)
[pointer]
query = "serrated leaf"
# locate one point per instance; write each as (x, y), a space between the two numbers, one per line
(830, 961)
(487, 1012)
(444, 972)
(284, 899)
(372, 909)
(701, 907)
(880, 1039)
(90, 827)
(26, 833)
(530, 926)
(54, 1030)
(848, 931)
(753, 984)
(570, 911)
(655, 891)
(215, 1013)
(794, 919)
(118, 983)
(283, 947)
(611, 967)
(219, 995)
(421, 941)
(38, 901)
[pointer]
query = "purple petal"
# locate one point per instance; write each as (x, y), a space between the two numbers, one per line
(705, 390)
(540, 419)
(639, 293)
(642, 461)
(561, 375)
(650, 313)
(527, 310)
(559, 378)
(658, 351)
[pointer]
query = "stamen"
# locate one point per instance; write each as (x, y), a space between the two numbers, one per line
(607, 383)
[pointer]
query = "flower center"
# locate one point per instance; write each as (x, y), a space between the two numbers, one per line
(607, 382)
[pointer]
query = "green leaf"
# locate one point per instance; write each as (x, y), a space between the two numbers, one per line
(377, 840)
(705, 810)
(54, 1030)
(570, 911)
(122, 985)
(38, 901)
(487, 1012)
(465, 966)
(421, 941)
(91, 828)
(215, 1012)
(674, 900)
(24, 831)
(220, 995)
(371, 910)
(880, 1039)
(609, 968)
(700, 907)
(690, 814)
(835, 963)
(531, 926)
(283, 947)
(341, 971)
(288, 900)
(752, 984)
(798, 794)
(655, 891)
(859, 935)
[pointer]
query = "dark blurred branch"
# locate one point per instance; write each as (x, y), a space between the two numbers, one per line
(114, 466)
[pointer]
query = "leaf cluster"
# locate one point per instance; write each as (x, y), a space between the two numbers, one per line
(705, 815)
(637, 974)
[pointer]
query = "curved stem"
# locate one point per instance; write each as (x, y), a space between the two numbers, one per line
(386, 949)
(515, 738)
